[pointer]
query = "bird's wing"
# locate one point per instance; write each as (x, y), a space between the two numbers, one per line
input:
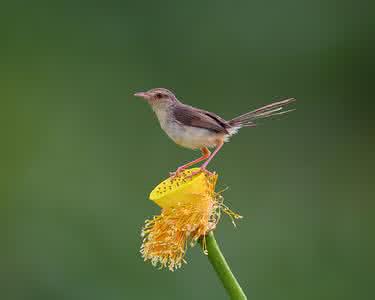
(194, 117)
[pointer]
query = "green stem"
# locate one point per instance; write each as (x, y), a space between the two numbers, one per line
(222, 269)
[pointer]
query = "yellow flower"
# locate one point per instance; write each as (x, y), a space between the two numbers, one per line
(190, 209)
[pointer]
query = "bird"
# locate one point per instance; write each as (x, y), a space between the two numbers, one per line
(195, 128)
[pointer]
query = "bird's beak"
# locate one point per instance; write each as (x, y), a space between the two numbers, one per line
(143, 95)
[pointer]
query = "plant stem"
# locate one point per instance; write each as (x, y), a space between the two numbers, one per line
(222, 269)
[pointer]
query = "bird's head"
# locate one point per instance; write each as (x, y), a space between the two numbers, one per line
(158, 97)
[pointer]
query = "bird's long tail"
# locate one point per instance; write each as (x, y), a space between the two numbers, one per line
(270, 110)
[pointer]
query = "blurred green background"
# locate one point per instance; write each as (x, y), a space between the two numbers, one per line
(80, 154)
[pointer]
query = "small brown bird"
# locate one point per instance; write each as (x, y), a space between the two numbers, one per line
(195, 128)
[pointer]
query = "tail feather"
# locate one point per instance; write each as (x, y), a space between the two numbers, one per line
(270, 110)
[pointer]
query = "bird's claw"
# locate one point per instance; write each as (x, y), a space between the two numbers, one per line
(176, 173)
(200, 171)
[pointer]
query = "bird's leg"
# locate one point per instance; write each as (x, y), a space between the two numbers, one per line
(204, 166)
(205, 154)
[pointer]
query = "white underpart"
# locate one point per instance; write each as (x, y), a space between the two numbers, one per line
(190, 137)
(187, 136)
(232, 131)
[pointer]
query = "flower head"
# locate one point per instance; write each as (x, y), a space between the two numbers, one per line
(190, 209)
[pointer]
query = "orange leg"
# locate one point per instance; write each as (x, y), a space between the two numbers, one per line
(205, 155)
(204, 166)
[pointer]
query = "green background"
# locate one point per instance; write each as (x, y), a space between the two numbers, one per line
(80, 154)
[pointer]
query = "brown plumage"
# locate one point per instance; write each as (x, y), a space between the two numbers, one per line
(199, 118)
(195, 128)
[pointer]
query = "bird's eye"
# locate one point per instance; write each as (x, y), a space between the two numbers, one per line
(159, 95)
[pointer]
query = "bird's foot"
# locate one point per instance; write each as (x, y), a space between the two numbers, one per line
(202, 169)
(179, 170)
(174, 174)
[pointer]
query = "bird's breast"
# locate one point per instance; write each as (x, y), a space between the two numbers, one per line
(190, 137)
(186, 136)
